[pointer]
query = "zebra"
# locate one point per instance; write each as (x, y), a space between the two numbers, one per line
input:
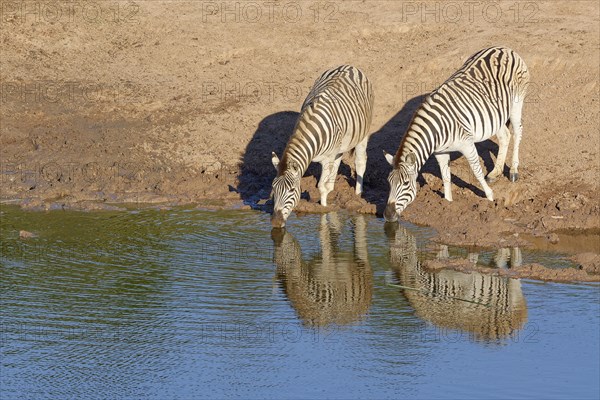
(335, 118)
(477, 102)
(331, 288)
(488, 307)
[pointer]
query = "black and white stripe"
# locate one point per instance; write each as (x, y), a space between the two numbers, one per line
(333, 287)
(477, 102)
(489, 307)
(335, 118)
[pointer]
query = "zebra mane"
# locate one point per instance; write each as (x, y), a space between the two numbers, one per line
(285, 163)
(297, 136)
(409, 133)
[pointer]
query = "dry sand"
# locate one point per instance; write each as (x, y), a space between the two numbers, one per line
(183, 102)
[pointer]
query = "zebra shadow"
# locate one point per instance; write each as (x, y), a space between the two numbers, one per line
(388, 138)
(256, 172)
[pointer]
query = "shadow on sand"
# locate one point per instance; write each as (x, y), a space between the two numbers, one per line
(256, 170)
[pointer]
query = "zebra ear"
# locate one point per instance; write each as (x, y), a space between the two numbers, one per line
(274, 159)
(389, 158)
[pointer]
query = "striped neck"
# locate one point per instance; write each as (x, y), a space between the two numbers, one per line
(294, 154)
(420, 141)
(298, 150)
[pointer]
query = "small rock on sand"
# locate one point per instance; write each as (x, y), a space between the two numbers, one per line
(26, 234)
(589, 262)
(553, 238)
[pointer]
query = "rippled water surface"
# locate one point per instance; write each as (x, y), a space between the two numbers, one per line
(190, 304)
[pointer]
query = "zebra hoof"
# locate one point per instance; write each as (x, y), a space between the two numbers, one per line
(490, 179)
(514, 177)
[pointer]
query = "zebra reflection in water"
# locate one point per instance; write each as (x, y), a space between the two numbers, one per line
(489, 307)
(331, 288)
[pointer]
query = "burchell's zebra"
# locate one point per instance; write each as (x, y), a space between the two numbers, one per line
(334, 119)
(475, 103)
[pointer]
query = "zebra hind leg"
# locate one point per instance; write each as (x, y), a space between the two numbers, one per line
(443, 253)
(470, 152)
(360, 163)
(503, 141)
(515, 121)
(329, 169)
(443, 160)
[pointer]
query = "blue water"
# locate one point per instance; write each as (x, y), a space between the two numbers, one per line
(196, 304)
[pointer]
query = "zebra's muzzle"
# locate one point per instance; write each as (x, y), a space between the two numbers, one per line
(390, 213)
(277, 220)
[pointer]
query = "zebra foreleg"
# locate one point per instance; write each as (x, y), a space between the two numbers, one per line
(470, 152)
(443, 160)
(515, 121)
(473, 257)
(508, 258)
(329, 169)
(360, 163)
(503, 141)
(327, 251)
(360, 239)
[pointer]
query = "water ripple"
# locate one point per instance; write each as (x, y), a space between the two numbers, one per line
(187, 304)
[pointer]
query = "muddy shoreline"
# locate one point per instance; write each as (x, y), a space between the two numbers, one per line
(514, 218)
(470, 221)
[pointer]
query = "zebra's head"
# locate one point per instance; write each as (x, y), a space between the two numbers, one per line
(286, 191)
(403, 185)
